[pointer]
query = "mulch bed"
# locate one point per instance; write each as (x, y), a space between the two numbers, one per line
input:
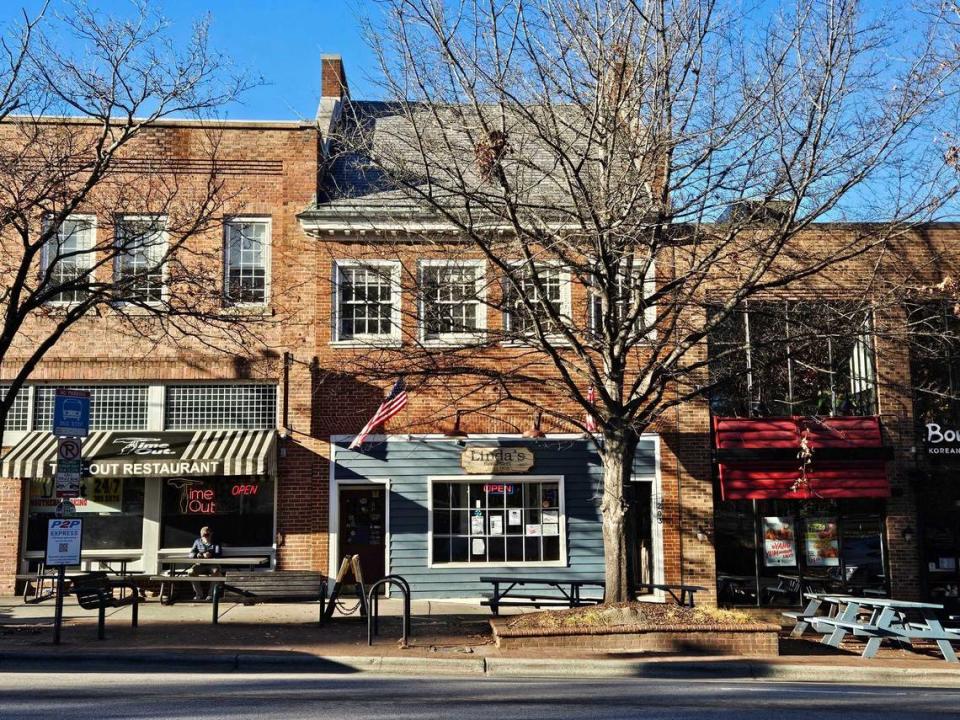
(650, 615)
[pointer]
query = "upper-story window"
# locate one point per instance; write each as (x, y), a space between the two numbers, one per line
(247, 245)
(796, 358)
(234, 405)
(452, 305)
(18, 417)
(553, 292)
(935, 362)
(68, 257)
(367, 301)
(625, 296)
(141, 248)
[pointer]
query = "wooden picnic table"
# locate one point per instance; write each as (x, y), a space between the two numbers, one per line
(876, 619)
(44, 581)
(180, 565)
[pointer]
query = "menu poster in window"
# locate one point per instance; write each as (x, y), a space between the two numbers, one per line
(478, 547)
(533, 529)
(98, 495)
(822, 542)
(476, 524)
(514, 517)
(496, 525)
(779, 542)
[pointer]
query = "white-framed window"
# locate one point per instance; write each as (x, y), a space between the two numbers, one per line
(367, 301)
(555, 282)
(624, 300)
(141, 242)
(497, 520)
(243, 406)
(69, 255)
(18, 417)
(247, 260)
(452, 307)
(112, 407)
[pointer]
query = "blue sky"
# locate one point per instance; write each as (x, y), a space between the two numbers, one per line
(281, 40)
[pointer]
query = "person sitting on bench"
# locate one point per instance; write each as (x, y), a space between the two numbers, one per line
(204, 547)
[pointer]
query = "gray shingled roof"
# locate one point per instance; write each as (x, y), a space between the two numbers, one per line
(435, 151)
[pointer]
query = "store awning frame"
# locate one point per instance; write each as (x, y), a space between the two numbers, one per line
(123, 453)
(760, 458)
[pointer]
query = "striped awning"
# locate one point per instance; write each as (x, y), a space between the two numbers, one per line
(125, 453)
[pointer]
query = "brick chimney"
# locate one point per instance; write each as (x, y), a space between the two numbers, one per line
(333, 80)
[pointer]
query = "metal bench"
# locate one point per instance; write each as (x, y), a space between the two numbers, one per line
(279, 586)
(95, 591)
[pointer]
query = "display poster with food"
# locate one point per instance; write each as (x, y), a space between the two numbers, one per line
(823, 545)
(779, 542)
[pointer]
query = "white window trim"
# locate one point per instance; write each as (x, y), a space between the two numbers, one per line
(649, 313)
(454, 339)
(90, 257)
(566, 306)
(392, 339)
(164, 268)
(267, 258)
(466, 479)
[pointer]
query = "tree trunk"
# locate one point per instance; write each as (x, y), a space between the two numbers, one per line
(617, 456)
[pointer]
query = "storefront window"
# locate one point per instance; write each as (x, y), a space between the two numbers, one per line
(239, 509)
(797, 358)
(112, 510)
(770, 550)
(497, 522)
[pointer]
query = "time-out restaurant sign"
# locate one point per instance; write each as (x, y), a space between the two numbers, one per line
(496, 460)
(140, 454)
(940, 440)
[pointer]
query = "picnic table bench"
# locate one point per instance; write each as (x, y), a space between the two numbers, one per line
(682, 594)
(95, 591)
(876, 619)
(178, 567)
(554, 592)
(279, 586)
(41, 585)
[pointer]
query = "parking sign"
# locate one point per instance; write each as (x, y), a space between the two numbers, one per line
(71, 413)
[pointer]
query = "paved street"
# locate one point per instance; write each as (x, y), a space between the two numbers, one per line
(357, 697)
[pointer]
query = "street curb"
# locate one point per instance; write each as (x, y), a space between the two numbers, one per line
(493, 667)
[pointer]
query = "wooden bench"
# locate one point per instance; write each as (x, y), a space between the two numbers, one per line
(279, 586)
(556, 593)
(95, 591)
(682, 594)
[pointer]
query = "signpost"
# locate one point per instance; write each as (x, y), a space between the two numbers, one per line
(64, 542)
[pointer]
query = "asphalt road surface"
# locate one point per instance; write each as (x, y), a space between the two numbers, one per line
(199, 694)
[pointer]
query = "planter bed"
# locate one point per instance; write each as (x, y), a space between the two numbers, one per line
(638, 627)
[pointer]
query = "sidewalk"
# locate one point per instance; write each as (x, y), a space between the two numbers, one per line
(448, 638)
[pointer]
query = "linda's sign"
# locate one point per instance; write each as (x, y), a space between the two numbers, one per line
(941, 441)
(496, 460)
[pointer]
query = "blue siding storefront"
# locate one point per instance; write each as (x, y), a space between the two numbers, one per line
(408, 464)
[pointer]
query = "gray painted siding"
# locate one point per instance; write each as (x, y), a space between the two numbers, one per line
(409, 463)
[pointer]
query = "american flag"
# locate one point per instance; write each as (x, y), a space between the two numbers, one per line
(393, 403)
(591, 421)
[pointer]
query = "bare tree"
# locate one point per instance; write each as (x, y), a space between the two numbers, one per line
(95, 220)
(631, 173)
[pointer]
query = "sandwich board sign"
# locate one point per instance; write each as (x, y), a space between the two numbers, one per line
(64, 541)
(71, 413)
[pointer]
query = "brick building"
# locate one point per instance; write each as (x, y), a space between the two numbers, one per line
(443, 499)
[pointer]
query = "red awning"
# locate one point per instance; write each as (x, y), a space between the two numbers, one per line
(782, 475)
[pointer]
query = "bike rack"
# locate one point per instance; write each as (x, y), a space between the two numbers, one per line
(373, 604)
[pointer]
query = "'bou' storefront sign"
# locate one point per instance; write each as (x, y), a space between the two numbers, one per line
(941, 440)
(496, 460)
